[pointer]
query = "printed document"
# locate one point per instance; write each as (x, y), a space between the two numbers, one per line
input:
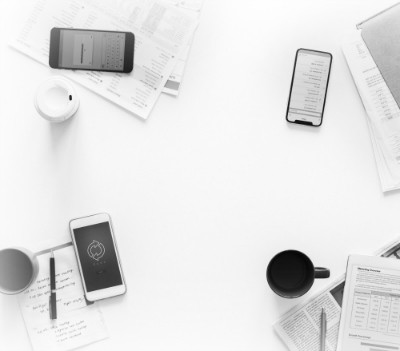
(190, 7)
(77, 324)
(299, 328)
(383, 113)
(371, 305)
(162, 33)
(173, 84)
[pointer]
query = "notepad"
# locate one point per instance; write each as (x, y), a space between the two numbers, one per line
(78, 323)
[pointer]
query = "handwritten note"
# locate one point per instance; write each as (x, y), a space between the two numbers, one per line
(78, 328)
(77, 324)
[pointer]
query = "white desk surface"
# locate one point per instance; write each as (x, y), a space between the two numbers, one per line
(210, 187)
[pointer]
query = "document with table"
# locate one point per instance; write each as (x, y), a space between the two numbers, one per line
(162, 34)
(371, 305)
(299, 328)
(78, 323)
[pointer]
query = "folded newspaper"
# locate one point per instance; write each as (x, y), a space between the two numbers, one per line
(299, 328)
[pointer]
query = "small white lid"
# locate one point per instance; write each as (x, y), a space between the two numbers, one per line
(56, 99)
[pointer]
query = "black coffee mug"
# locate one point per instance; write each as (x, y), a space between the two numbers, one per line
(291, 273)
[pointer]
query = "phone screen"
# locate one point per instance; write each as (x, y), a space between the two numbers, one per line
(309, 87)
(93, 50)
(97, 255)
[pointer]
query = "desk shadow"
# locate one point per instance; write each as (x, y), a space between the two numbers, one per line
(113, 301)
(59, 131)
(391, 193)
(301, 127)
(282, 303)
(130, 114)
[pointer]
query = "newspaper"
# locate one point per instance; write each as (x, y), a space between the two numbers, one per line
(162, 33)
(192, 8)
(299, 328)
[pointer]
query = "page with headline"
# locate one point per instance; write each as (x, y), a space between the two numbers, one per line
(371, 305)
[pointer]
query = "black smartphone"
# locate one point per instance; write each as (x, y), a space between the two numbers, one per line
(309, 87)
(95, 50)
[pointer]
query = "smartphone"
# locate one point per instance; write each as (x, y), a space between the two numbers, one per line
(95, 50)
(309, 87)
(97, 255)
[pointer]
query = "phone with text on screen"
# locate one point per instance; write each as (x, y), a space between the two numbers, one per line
(95, 50)
(309, 87)
(97, 255)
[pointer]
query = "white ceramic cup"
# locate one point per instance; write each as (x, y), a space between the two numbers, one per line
(19, 268)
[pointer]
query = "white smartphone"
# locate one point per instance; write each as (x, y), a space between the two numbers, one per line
(97, 255)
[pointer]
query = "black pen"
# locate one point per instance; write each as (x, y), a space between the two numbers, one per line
(53, 297)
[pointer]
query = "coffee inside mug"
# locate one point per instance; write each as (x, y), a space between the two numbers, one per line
(17, 271)
(291, 273)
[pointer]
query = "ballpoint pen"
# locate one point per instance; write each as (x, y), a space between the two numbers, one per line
(323, 329)
(53, 296)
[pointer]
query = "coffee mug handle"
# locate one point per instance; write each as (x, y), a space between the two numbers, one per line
(321, 272)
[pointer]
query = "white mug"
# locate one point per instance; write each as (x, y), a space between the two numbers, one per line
(19, 268)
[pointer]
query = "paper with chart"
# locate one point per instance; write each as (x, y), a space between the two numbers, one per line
(161, 34)
(383, 113)
(299, 328)
(371, 305)
(77, 324)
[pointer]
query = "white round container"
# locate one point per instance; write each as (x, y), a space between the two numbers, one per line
(56, 99)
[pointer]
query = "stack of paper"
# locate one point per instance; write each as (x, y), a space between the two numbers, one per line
(299, 328)
(192, 8)
(383, 113)
(163, 34)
